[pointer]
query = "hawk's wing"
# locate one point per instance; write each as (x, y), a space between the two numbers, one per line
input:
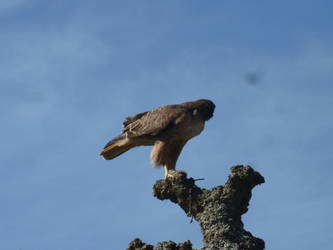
(130, 119)
(153, 122)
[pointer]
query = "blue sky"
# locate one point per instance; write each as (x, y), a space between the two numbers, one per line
(71, 71)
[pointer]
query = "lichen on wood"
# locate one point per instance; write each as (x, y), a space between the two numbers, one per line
(218, 210)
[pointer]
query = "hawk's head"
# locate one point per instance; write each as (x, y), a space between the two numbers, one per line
(204, 108)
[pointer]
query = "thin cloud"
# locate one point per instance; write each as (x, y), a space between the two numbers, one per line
(10, 5)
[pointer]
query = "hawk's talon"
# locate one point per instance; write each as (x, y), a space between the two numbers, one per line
(173, 173)
(167, 174)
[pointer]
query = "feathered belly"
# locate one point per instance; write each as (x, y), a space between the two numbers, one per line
(193, 128)
(166, 150)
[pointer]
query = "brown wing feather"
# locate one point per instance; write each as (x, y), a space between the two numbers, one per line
(155, 121)
(115, 149)
(130, 119)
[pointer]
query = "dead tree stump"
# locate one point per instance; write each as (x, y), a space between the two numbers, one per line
(218, 210)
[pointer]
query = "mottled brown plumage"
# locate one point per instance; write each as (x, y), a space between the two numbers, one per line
(167, 128)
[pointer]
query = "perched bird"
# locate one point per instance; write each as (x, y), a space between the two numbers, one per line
(167, 128)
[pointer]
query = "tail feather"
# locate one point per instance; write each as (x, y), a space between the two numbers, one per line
(116, 147)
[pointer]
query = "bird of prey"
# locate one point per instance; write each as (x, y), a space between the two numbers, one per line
(166, 128)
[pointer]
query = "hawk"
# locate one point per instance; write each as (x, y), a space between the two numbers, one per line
(166, 128)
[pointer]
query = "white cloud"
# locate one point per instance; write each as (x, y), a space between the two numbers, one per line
(6, 5)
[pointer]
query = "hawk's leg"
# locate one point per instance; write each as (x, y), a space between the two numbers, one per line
(167, 174)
